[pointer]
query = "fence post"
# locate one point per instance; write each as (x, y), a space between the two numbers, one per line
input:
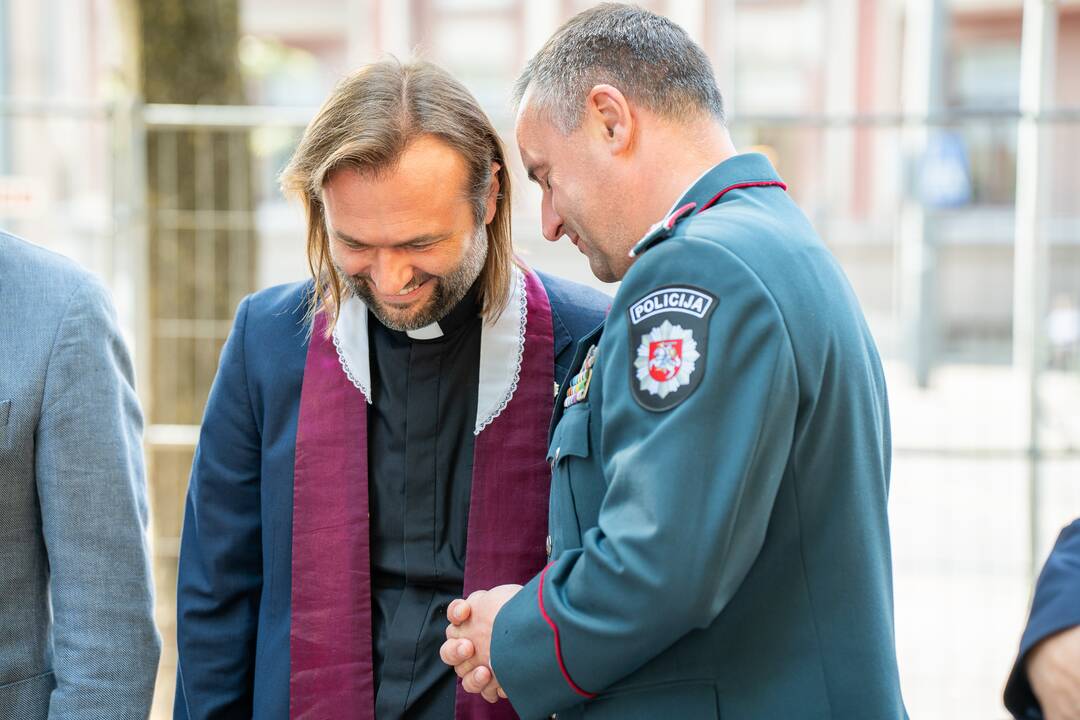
(1030, 266)
(924, 54)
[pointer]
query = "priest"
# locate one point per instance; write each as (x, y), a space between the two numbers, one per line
(374, 444)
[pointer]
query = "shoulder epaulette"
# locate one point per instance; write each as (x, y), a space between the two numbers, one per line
(662, 229)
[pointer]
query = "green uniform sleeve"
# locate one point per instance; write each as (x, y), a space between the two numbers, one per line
(689, 492)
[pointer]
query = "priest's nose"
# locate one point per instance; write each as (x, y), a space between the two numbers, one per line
(390, 271)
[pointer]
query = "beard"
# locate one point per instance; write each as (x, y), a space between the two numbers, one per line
(447, 290)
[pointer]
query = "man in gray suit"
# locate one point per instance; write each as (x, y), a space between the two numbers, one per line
(77, 636)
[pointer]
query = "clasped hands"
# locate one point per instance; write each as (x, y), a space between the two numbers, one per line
(468, 639)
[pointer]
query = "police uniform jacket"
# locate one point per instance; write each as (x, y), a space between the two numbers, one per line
(720, 544)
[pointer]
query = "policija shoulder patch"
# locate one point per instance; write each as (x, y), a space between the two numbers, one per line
(668, 332)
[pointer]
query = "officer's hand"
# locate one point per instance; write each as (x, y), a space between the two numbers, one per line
(1053, 668)
(482, 680)
(475, 678)
(458, 611)
(468, 639)
(458, 652)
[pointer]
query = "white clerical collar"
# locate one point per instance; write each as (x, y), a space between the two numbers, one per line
(428, 332)
(502, 347)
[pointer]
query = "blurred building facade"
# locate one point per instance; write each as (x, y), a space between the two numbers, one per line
(823, 86)
(818, 82)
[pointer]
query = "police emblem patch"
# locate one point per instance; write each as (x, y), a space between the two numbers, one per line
(668, 338)
(666, 359)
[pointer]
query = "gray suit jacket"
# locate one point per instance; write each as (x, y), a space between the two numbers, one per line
(77, 636)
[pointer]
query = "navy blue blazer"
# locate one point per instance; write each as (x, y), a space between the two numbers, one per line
(1056, 607)
(235, 583)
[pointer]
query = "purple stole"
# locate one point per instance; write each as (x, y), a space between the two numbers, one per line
(330, 636)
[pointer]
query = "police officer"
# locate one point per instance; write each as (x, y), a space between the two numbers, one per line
(720, 453)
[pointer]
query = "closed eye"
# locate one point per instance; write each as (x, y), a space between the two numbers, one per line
(353, 245)
(544, 182)
(425, 242)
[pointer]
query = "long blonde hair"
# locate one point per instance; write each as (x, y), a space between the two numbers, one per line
(366, 124)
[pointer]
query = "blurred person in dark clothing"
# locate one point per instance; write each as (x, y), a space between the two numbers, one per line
(1045, 680)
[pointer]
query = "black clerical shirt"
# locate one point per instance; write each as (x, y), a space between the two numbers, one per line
(420, 459)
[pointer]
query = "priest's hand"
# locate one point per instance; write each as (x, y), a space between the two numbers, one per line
(1053, 668)
(468, 639)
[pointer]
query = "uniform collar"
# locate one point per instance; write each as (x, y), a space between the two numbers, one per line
(746, 170)
(740, 171)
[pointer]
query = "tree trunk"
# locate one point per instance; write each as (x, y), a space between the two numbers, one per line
(200, 199)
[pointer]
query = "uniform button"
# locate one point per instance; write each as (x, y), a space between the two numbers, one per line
(547, 544)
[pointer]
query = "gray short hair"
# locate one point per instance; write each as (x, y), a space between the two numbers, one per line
(647, 57)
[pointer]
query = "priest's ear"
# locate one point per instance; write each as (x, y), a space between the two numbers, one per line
(493, 194)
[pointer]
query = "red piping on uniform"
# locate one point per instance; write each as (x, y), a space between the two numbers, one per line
(558, 649)
(758, 183)
(674, 217)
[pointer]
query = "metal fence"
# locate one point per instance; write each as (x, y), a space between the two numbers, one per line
(178, 208)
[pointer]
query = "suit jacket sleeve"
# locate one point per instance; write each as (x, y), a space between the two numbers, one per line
(220, 574)
(689, 492)
(1055, 607)
(92, 490)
